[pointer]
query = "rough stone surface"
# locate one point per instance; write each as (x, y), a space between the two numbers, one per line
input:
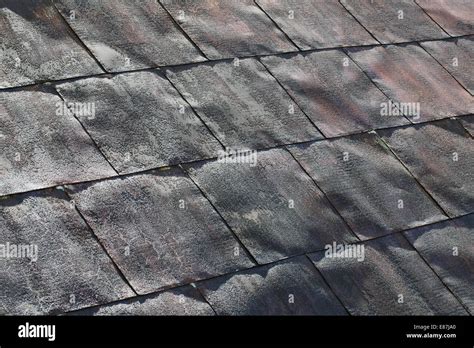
(37, 45)
(159, 229)
(273, 207)
(391, 280)
(448, 247)
(226, 29)
(290, 287)
(70, 270)
(441, 156)
(468, 123)
(367, 185)
(126, 35)
(42, 147)
(333, 91)
(140, 121)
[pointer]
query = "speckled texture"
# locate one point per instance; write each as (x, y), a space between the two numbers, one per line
(140, 121)
(127, 35)
(41, 148)
(273, 207)
(36, 45)
(391, 268)
(71, 272)
(159, 229)
(468, 123)
(365, 182)
(441, 156)
(333, 91)
(290, 287)
(224, 29)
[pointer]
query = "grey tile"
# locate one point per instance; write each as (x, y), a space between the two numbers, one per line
(441, 156)
(456, 57)
(290, 287)
(411, 78)
(394, 20)
(243, 105)
(43, 146)
(448, 247)
(272, 205)
(127, 35)
(159, 229)
(333, 91)
(454, 16)
(181, 301)
(468, 123)
(37, 45)
(317, 23)
(373, 192)
(66, 268)
(140, 121)
(392, 279)
(226, 29)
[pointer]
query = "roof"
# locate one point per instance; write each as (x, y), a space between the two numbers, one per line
(268, 157)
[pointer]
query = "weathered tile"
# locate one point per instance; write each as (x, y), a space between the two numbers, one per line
(317, 23)
(226, 29)
(454, 16)
(140, 121)
(66, 268)
(394, 20)
(126, 35)
(244, 106)
(390, 279)
(333, 91)
(37, 45)
(41, 146)
(372, 191)
(181, 301)
(290, 287)
(414, 81)
(441, 156)
(159, 229)
(448, 247)
(468, 123)
(456, 57)
(271, 204)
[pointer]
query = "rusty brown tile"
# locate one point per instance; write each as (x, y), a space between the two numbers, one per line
(454, 16)
(441, 156)
(127, 35)
(333, 91)
(226, 29)
(392, 21)
(37, 45)
(317, 23)
(415, 81)
(456, 56)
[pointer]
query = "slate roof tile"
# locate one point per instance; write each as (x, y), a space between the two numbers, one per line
(454, 16)
(468, 123)
(373, 192)
(273, 206)
(127, 35)
(391, 280)
(37, 45)
(408, 74)
(333, 91)
(227, 29)
(316, 23)
(140, 121)
(42, 145)
(448, 247)
(441, 156)
(392, 21)
(71, 271)
(456, 56)
(159, 229)
(289, 287)
(244, 106)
